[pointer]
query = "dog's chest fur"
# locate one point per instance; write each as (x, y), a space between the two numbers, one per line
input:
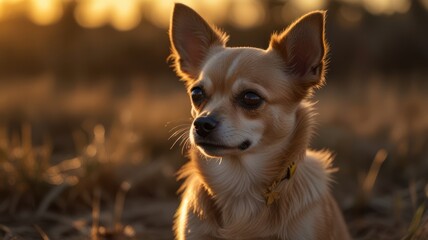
(244, 214)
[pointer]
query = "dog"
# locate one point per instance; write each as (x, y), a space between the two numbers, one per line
(250, 174)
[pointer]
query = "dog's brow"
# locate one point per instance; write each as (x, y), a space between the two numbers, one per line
(207, 83)
(233, 65)
(217, 68)
(243, 84)
(237, 85)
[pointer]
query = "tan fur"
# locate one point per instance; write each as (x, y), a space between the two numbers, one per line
(223, 189)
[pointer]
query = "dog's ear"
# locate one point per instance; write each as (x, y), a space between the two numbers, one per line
(191, 39)
(303, 48)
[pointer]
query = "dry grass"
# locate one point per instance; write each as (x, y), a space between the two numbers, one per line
(89, 163)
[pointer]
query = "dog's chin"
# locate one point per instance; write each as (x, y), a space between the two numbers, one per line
(212, 149)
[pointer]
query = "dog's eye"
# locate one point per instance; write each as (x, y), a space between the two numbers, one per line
(198, 95)
(250, 100)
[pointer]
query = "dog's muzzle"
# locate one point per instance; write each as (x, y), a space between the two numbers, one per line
(204, 127)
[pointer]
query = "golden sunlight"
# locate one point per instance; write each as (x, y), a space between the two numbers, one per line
(125, 14)
(387, 6)
(160, 12)
(92, 13)
(214, 10)
(247, 13)
(308, 5)
(122, 15)
(45, 12)
(11, 1)
(10, 5)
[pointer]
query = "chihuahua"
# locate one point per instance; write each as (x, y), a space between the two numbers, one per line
(251, 175)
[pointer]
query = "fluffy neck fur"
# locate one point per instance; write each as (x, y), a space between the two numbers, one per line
(233, 189)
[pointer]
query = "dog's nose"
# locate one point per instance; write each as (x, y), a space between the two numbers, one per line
(204, 125)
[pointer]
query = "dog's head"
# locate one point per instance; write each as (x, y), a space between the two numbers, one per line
(244, 99)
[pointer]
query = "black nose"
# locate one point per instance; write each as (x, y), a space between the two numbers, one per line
(205, 125)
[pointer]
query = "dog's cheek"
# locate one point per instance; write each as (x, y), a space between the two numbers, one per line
(279, 124)
(252, 129)
(254, 124)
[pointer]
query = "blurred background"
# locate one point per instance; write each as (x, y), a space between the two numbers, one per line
(92, 116)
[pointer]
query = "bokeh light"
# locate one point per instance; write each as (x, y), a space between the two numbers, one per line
(351, 1)
(45, 12)
(122, 15)
(125, 14)
(214, 10)
(12, 1)
(92, 13)
(387, 6)
(247, 13)
(309, 5)
(160, 12)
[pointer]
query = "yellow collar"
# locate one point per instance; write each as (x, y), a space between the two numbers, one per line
(272, 194)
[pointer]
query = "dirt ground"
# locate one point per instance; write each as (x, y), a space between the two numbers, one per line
(109, 172)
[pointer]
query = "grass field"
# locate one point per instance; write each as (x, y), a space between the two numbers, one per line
(87, 162)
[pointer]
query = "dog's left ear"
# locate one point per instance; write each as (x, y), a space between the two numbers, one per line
(303, 48)
(191, 40)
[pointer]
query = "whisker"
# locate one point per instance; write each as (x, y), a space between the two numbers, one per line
(186, 145)
(178, 121)
(179, 126)
(183, 139)
(177, 133)
(178, 139)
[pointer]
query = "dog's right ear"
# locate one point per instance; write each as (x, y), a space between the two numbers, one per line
(303, 48)
(191, 39)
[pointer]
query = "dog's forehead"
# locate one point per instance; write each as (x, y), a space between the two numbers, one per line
(231, 66)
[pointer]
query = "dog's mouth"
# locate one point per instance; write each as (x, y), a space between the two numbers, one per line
(211, 147)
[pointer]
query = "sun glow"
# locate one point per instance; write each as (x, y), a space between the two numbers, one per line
(160, 12)
(92, 13)
(45, 12)
(387, 6)
(215, 10)
(308, 5)
(125, 15)
(247, 13)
